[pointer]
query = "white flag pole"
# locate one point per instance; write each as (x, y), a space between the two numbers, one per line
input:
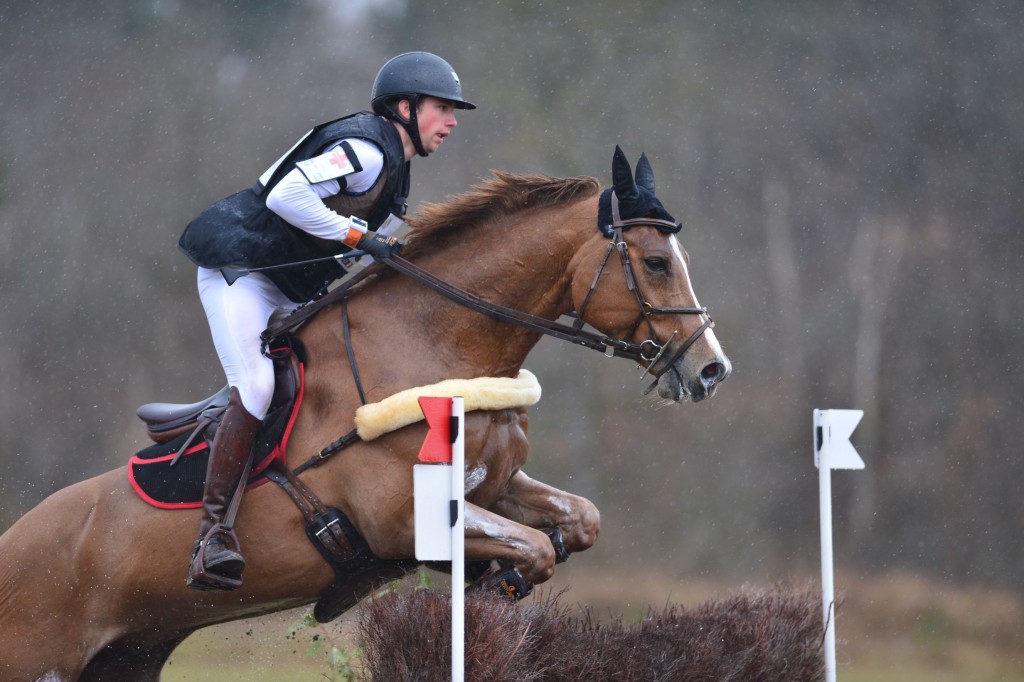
(832, 450)
(827, 587)
(458, 507)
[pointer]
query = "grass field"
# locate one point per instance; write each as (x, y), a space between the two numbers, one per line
(894, 628)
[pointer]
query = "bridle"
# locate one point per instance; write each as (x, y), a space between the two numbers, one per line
(648, 351)
(647, 309)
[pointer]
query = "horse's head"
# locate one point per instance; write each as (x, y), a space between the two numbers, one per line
(632, 282)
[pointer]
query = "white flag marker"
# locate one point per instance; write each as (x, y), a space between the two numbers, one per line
(832, 450)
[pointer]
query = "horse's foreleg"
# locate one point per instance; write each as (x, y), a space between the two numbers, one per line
(539, 505)
(490, 536)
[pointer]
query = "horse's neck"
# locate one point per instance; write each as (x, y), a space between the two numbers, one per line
(524, 265)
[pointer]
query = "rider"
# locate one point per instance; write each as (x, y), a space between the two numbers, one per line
(333, 190)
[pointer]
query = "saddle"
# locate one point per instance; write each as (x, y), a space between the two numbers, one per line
(170, 473)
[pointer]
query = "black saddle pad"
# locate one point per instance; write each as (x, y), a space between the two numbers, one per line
(179, 486)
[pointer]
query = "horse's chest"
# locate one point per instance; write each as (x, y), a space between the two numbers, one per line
(496, 448)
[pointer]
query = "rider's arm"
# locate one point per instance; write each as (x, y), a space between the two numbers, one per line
(301, 203)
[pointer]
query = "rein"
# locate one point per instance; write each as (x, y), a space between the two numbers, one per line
(542, 325)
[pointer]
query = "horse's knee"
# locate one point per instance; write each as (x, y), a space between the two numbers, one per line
(541, 558)
(583, 527)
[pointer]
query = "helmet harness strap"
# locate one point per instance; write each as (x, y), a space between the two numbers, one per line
(411, 124)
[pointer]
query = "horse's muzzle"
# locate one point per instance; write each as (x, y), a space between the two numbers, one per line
(673, 386)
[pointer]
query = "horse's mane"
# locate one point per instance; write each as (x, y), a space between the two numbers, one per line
(436, 225)
(502, 194)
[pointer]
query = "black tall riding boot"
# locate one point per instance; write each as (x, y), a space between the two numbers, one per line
(217, 562)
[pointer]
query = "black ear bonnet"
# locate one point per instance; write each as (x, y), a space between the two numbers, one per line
(635, 197)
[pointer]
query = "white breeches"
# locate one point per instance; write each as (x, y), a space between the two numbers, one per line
(238, 314)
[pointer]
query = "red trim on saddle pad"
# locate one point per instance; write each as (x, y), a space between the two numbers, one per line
(145, 496)
(256, 477)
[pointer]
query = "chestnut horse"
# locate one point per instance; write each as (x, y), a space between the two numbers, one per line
(92, 580)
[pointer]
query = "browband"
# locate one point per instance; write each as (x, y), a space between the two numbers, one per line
(666, 226)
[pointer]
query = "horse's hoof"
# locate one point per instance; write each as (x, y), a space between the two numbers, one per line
(508, 582)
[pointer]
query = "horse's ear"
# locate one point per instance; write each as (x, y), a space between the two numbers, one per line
(622, 177)
(645, 174)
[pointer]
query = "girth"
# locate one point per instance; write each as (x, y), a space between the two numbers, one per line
(340, 544)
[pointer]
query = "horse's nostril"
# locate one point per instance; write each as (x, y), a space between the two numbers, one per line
(712, 374)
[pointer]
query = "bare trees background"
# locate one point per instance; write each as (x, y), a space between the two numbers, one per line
(850, 174)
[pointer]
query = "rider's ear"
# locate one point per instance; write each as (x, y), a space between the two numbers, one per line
(622, 177)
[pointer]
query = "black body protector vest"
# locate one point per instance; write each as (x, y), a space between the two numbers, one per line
(240, 231)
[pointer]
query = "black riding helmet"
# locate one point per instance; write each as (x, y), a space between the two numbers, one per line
(411, 76)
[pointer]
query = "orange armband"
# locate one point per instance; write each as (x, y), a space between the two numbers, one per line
(354, 234)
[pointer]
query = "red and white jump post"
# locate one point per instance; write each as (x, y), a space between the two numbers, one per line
(439, 493)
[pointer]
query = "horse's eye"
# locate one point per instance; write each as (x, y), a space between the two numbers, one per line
(656, 264)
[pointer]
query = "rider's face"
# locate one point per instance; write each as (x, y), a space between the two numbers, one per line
(436, 118)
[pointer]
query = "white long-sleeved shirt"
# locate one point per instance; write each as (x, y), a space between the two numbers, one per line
(301, 203)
